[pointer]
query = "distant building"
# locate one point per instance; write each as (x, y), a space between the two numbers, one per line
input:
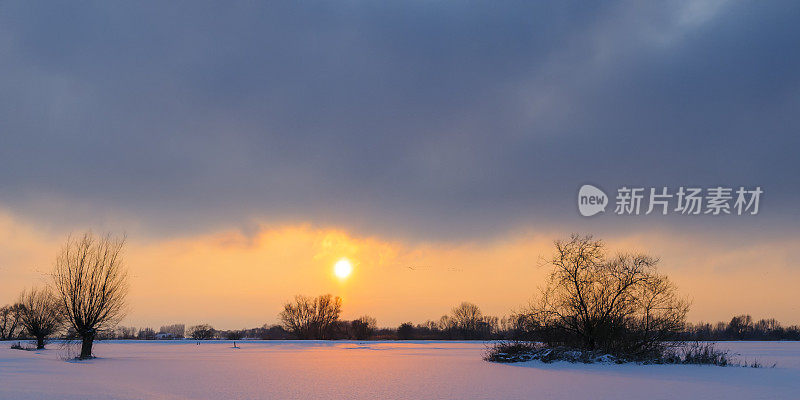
(164, 336)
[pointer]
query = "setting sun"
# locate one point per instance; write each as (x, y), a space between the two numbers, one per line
(343, 268)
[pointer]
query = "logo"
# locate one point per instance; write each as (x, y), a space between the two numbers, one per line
(685, 200)
(591, 200)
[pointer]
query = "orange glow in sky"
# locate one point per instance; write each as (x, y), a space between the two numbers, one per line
(207, 278)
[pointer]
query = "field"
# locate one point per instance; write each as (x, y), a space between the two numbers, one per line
(375, 370)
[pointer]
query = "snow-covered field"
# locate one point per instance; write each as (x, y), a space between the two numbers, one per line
(375, 370)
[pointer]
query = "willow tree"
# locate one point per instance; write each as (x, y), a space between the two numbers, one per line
(90, 281)
(39, 314)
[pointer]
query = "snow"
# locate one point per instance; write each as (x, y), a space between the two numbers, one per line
(375, 370)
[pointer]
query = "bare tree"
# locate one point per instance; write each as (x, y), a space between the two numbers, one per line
(202, 332)
(740, 326)
(363, 328)
(466, 316)
(146, 334)
(125, 332)
(90, 281)
(174, 331)
(298, 317)
(658, 313)
(311, 318)
(39, 314)
(9, 321)
(490, 324)
(619, 305)
(445, 323)
(405, 331)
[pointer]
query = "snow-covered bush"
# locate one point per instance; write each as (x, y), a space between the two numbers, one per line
(703, 353)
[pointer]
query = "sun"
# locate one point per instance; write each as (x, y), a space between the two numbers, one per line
(343, 268)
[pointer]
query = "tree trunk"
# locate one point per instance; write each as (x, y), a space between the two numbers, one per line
(39, 342)
(86, 347)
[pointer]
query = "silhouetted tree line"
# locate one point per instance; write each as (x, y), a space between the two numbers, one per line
(266, 332)
(741, 327)
(591, 301)
(464, 322)
(454, 326)
(318, 318)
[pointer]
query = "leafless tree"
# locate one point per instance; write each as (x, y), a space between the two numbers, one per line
(490, 324)
(39, 314)
(125, 332)
(90, 281)
(466, 316)
(405, 331)
(363, 328)
(202, 332)
(445, 323)
(311, 318)
(175, 331)
(767, 325)
(146, 334)
(619, 305)
(658, 313)
(9, 321)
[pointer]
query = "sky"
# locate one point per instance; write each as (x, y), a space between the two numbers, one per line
(244, 148)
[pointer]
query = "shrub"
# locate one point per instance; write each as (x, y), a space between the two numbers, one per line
(702, 353)
(510, 351)
(705, 353)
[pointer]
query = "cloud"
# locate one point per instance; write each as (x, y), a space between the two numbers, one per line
(409, 119)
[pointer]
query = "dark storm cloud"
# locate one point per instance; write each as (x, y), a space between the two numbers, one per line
(422, 118)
